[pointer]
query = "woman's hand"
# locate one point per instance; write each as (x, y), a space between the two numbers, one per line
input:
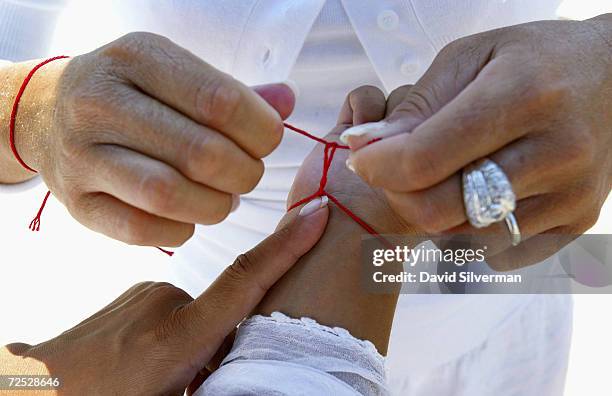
(534, 98)
(155, 339)
(145, 139)
(363, 105)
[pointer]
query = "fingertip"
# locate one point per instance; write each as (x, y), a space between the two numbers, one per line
(311, 222)
(281, 96)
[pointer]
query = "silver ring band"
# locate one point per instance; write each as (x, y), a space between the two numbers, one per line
(513, 228)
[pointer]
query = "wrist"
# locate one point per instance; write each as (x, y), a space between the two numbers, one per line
(35, 112)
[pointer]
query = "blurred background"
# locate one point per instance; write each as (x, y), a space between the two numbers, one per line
(51, 280)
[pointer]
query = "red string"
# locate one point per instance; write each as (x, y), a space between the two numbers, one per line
(16, 107)
(328, 156)
(168, 252)
(34, 224)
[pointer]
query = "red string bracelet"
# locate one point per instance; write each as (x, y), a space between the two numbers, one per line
(34, 224)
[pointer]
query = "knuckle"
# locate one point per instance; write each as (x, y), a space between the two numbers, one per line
(418, 101)
(203, 157)
(273, 130)
(219, 210)
(77, 204)
(217, 100)
(367, 91)
(256, 172)
(542, 96)
(590, 219)
(125, 48)
(132, 231)
(579, 149)
(430, 216)
(163, 291)
(159, 191)
(240, 269)
(181, 239)
(399, 93)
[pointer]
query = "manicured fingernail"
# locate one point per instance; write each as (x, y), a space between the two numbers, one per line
(293, 87)
(368, 129)
(313, 206)
(349, 164)
(235, 203)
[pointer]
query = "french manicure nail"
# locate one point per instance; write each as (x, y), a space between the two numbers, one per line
(313, 206)
(369, 128)
(235, 203)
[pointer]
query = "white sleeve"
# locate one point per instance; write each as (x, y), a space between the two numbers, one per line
(26, 31)
(26, 27)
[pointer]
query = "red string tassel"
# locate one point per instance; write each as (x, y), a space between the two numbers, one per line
(35, 224)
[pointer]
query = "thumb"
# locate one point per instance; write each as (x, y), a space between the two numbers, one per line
(458, 64)
(280, 96)
(238, 290)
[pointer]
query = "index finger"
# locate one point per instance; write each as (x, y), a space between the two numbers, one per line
(483, 118)
(240, 288)
(208, 96)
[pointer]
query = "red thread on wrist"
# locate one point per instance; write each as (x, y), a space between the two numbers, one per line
(16, 107)
(328, 157)
(34, 224)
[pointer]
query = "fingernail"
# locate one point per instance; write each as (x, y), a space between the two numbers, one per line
(349, 164)
(235, 203)
(313, 206)
(293, 87)
(368, 129)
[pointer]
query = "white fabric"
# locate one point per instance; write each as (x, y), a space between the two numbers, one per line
(26, 27)
(526, 354)
(328, 48)
(278, 355)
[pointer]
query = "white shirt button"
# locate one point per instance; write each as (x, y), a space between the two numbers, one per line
(388, 20)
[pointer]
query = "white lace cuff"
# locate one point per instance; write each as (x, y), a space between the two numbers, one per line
(278, 355)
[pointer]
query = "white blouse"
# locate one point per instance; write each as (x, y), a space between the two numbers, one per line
(328, 48)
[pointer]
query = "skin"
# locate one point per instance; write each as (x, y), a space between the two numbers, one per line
(335, 295)
(155, 339)
(140, 139)
(537, 100)
(173, 342)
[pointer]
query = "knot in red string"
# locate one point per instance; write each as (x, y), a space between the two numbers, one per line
(328, 157)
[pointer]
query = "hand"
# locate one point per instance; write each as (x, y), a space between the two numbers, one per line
(155, 339)
(363, 105)
(535, 99)
(148, 140)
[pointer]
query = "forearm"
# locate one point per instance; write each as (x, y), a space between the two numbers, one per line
(33, 121)
(326, 284)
